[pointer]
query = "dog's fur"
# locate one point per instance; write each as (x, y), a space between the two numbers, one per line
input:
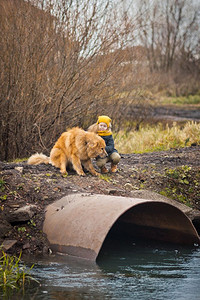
(75, 147)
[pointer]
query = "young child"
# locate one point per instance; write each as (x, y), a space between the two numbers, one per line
(103, 129)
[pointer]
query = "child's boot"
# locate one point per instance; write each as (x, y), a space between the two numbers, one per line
(113, 168)
(104, 170)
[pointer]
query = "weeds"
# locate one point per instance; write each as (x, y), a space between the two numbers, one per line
(13, 275)
(191, 99)
(181, 184)
(105, 177)
(158, 138)
(181, 174)
(4, 197)
(2, 184)
(18, 160)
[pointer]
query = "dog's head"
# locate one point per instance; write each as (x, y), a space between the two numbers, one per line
(95, 146)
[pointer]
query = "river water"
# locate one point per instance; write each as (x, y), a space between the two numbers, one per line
(124, 270)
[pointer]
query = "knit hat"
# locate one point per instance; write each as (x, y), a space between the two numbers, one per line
(104, 119)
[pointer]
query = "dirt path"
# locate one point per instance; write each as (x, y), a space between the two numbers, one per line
(176, 113)
(174, 173)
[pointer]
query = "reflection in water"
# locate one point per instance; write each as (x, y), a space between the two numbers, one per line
(124, 270)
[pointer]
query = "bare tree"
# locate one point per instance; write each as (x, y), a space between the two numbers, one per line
(168, 28)
(58, 64)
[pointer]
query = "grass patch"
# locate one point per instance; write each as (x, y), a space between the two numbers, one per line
(105, 177)
(189, 100)
(13, 275)
(182, 185)
(158, 138)
(2, 184)
(18, 160)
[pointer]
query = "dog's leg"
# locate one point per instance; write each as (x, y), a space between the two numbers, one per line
(63, 164)
(89, 166)
(77, 165)
(59, 159)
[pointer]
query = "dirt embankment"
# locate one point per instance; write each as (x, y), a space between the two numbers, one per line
(174, 173)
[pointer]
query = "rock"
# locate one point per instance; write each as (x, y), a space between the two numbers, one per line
(26, 246)
(7, 244)
(22, 214)
(45, 250)
(115, 191)
(19, 169)
(4, 226)
(128, 186)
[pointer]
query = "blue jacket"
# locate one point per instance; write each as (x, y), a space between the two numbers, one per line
(110, 146)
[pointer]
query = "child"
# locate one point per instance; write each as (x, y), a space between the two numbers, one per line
(103, 129)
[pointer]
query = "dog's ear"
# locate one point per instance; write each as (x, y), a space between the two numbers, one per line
(90, 140)
(92, 144)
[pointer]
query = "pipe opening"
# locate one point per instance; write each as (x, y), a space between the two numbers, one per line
(155, 222)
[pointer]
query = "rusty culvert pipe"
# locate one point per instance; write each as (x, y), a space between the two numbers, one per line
(79, 223)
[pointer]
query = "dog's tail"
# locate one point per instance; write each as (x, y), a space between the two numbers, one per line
(38, 158)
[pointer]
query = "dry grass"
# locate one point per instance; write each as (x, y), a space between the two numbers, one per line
(158, 138)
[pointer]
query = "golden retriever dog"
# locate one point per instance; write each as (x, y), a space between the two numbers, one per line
(74, 147)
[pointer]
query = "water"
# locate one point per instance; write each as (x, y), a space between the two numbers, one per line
(131, 270)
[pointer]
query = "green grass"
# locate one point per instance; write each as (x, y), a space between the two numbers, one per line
(158, 138)
(190, 100)
(13, 275)
(2, 184)
(105, 177)
(181, 184)
(18, 160)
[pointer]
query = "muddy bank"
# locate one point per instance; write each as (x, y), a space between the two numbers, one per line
(26, 190)
(176, 114)
(165, 113)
